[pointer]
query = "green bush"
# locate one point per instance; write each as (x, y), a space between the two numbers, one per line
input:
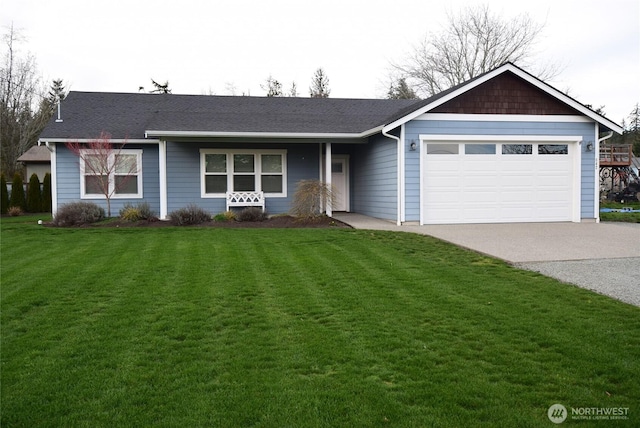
(78, 214)
(192, 214)
(137, 212)
(34, 196)
(17, 193)
(4, 196)
(251, 214)
(46, 193)
(225, 216)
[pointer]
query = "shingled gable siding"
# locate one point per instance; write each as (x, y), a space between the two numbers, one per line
(374, 178)
(414, 128)
(68, 179)
(183, 173)
(505, 94)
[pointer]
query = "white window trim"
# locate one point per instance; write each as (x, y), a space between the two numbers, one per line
(114, 195)
(257, 173)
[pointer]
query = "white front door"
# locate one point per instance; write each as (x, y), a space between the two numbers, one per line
(340, 182)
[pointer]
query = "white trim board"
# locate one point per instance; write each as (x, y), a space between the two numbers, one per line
(503, 118)
(499, 138)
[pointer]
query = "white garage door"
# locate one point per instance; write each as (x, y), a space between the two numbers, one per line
(503, 182)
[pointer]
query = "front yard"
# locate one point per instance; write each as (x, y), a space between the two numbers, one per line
(297, 327)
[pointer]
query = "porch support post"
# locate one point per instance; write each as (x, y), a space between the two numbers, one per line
(327, 177)
(162, 158)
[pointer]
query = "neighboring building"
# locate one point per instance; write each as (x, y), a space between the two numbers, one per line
(37, 160)
(503, 147)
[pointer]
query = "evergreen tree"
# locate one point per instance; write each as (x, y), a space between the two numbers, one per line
(319, 85)
(34, 196)
(46, 193)
(17, 193)
(4, 195)
(401, 91)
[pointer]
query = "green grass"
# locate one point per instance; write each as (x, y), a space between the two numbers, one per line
(620, 217)
(272, 328)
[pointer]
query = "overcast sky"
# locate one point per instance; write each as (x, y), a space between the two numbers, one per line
(213, 46)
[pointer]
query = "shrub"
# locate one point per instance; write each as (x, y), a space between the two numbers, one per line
(310, 198)
(191, 214)
(34, 196)
(46, 193)
(225, 216)
(17, 192)
(251, 214)
(14, 211)
(138, 212)
(4, 196)
(78, 214)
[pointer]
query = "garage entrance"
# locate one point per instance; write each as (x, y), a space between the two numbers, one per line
(500, 181)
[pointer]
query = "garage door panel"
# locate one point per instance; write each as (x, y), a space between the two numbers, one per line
(474, 188)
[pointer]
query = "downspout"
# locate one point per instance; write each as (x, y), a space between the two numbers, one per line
(606, 137)
(385, 132)
(597, 163)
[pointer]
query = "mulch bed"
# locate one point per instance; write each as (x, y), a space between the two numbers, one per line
(281, 221)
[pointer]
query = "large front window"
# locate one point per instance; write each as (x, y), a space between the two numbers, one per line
(243, 171)
(117, 174)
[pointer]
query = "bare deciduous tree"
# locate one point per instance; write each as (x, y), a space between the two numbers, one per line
(273, 87)
(472, 42)
(104, 166)
(24, 107)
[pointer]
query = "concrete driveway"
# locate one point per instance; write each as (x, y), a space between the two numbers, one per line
(603, 257)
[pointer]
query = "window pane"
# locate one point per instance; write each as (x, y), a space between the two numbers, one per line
(480, 149)
(125, 164)
(244, 183)
(93, 164)
(215, 163)
(517, 149)
(272, 183)
(93, 184)
(215, 184)
(271, 163)
(126, 184)
(243, 163)
(553, 149)
(442, 149)
(336, 167)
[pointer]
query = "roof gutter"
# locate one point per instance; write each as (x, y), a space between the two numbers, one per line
(385, 131)
(222, 134)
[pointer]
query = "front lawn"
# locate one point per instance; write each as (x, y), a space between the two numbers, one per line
(620, 216)
(187, 327)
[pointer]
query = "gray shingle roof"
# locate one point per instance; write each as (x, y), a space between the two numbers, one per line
(124, 115)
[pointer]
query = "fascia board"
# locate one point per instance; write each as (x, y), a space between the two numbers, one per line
(89, 140)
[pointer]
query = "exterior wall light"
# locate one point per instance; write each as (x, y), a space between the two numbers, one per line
(589, 147)
(412, 146)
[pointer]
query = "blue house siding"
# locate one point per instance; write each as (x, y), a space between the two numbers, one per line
(184, 180)
(414, 128)
(374, 173)
(68, 179)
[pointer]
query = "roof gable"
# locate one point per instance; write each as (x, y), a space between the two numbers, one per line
(506, 94)
(431, 104)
